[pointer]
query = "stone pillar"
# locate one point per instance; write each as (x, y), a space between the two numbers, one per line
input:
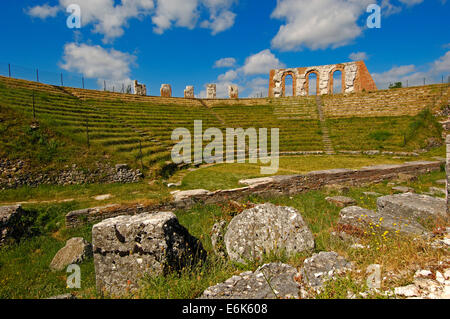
(166, 90)
(233, 92)
(189, 92)
(447, 169)
(211, 91)
(139, 89)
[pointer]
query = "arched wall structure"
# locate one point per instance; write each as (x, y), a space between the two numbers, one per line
(355, 78)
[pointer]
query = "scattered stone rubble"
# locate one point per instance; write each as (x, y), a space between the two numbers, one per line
(427, 285)
(75, 251)
(270, 281)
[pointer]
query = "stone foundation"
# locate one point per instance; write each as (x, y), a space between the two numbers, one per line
(265, 187)
(447, 169)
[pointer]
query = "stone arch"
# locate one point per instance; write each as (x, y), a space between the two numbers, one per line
(331, 79)
(294, 83)
(317, 81)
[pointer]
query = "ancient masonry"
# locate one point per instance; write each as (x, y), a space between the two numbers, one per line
(140, 89)
(233, 92)
(448, 173)
(166, 90)
(355, 78)
(189, 92)
(211, 91)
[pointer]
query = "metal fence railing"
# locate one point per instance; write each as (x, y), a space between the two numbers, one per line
(68, 79)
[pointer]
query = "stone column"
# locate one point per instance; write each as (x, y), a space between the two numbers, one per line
(233, 92)
(447, 169)
(211, 91)
(166, 90)
(189, 92)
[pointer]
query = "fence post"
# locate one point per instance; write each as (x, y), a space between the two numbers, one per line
(37, 75)
(62, 82)
(9, 69)
(104, 85)
(82, 81)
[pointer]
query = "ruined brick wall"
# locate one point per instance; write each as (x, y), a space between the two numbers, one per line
(355, 78)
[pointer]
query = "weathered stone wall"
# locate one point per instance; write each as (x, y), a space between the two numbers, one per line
(166, 90)
(265, 187)
(139, 89)
(355, 78)
(394, 102)
(18, 173)
(448, 173)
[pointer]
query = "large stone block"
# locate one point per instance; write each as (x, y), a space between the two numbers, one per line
(266, 229)
(9, 223)
(411, 206)
(270, 281)
(128, 247)
(360, 221)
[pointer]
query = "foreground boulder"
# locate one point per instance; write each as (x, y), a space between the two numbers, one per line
(411, 206)
(359, 221)
(323, 266)
(128, 247)
(270, 281)
(75, 251)
(266, 229)
(10, 223)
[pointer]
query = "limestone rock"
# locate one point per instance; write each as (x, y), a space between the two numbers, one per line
(402, 177)
(217, 237)
(75, 251)
(323, 266)
(341, 201)
(359, 220)
(9, 222)
(264, 229)
(128, 247)
(403, 189)
(412, 206)
(407, 291)
(270, 281)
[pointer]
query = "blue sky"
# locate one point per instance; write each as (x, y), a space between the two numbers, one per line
(195, 42)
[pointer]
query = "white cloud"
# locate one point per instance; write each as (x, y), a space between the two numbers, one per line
(432, 73)
(110, 17)
(43, 11)
(358, 56)
(97, 63)
(261, 63)
(225, 63)
(228, 76)
(317, 24)
(258, 87)
(182, 13)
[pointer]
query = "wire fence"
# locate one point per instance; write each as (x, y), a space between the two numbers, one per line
(68, 79)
